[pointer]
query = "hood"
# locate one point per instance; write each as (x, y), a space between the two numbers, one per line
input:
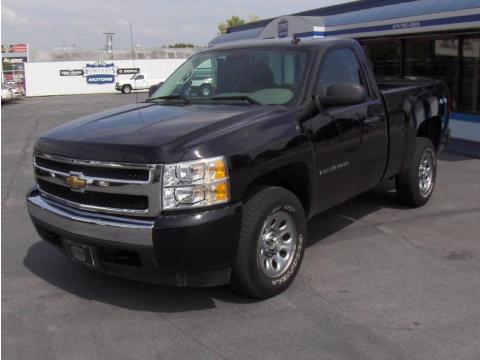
(147, 132)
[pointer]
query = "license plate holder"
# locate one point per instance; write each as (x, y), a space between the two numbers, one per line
(80, 253)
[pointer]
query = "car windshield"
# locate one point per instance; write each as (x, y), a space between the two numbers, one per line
(259, 76)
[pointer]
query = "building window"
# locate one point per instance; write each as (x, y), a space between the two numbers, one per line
(454, 60)
(384, 57)
(470, 98)
(435, 58)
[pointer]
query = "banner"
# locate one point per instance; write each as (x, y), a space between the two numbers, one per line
(17, 48)
(14, 60)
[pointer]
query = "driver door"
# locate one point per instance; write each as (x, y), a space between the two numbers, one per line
(343, 149)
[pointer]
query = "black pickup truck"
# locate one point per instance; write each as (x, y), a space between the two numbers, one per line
(195, 189)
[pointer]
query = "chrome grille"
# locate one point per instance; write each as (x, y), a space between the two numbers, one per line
(122, 188)
(99, 172)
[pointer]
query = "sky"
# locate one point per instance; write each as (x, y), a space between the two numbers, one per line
(47, 24)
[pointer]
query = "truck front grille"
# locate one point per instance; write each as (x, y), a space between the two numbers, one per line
(123, 188)
(95, 198)
(100, 172)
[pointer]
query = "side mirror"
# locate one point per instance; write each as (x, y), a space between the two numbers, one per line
(343, 94)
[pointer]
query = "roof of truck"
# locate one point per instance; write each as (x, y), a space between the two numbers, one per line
(272, 43)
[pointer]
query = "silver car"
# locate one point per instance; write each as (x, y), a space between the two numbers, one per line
(7, 94)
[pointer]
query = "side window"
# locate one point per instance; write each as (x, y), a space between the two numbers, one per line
(203, 71)
(139, 77)
(339, 65)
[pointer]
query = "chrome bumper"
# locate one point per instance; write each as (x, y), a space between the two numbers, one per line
(97, 226)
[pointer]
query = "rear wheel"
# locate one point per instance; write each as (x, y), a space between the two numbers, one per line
(416, 183)
(126, 89)
(272, 243)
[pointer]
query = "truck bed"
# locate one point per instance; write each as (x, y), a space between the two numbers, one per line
(408, 103)
(385, 84)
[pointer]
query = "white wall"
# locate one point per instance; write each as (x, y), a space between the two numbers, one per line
(43, 78)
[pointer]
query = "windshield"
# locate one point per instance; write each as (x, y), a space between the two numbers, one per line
(263, 76)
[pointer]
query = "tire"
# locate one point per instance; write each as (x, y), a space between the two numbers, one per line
(126, 89)
(271, 245)
(415, 184)
(205, 90)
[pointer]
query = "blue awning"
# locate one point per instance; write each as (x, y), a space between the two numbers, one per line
(399, 11)
(395, 19)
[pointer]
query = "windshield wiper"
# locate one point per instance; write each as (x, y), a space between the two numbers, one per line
(237, 97)
(170, 97)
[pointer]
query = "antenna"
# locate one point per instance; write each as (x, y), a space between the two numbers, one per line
(133, 60)
(296, 39)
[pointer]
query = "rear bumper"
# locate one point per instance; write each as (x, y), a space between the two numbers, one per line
(189, 249)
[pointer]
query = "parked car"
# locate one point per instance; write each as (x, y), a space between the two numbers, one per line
(194, 190)
(138, 81)
(15, 88)
(7, 94)
(201, 81)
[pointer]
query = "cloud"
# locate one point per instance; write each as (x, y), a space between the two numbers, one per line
(122, 22)
(11, 18)
(50, 23)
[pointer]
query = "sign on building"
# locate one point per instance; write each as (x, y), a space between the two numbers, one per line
(13, 59)
(100, 73)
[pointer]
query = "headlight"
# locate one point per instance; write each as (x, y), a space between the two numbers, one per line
(197, 183)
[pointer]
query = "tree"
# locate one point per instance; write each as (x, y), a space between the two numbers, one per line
(253, 18)
(235, 21)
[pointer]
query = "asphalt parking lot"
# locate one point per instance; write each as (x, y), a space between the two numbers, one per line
(379, 281)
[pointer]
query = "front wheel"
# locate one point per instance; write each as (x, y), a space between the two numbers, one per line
(271, 245)
(126, 89)
(415, 184)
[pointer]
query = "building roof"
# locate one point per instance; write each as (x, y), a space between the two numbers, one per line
(325, 11)
(391, 18)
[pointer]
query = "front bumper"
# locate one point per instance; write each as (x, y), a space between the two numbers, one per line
(187, 249)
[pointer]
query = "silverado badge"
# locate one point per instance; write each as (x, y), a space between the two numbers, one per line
(75, 182)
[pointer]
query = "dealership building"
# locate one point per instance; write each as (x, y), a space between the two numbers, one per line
(423, 38)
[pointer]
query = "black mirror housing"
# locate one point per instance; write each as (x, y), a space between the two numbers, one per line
(343, 94)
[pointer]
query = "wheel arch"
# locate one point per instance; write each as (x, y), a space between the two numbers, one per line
(431, 129)
(294, 177)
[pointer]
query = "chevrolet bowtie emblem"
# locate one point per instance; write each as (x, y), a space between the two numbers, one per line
(75, 182)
